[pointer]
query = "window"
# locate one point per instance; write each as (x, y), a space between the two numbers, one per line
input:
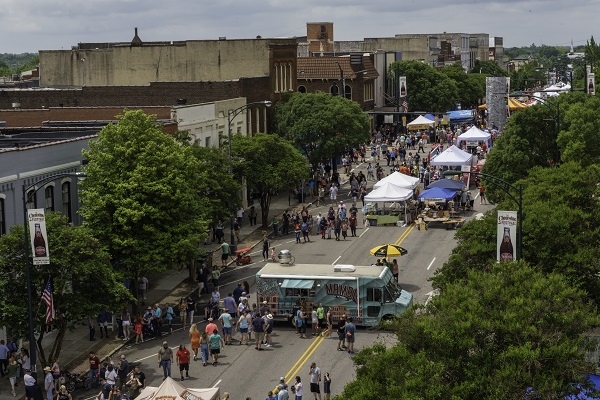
(302, 89)
(31, 199)
(369, 89)
(2, 221)
(374, 294)
(49, 195)
(348, 92)
(333, 90)
(66, 200)
(207, 141)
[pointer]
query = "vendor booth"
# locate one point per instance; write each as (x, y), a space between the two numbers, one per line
(436, 199)
(449, 184)
(398, 179)
(420, 123)
(172, 390)
(473, 136)
(387, 193)
(453, 157)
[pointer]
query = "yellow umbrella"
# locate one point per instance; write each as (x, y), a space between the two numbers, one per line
(388, 250)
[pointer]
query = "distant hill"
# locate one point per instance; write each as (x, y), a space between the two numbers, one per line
(18, 62)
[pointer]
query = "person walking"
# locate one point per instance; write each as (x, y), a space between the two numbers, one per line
(327, 386)
(299, 391)
(183, 359)
(194, 340)
(226, 319)
(216, 345)
(204, 348)
(165, 359)
(242, 326)
(183, 311)
(258, 326)
(301, 324)
(225, 253)
(63, 394)
(481, 194)
(94, 363)
(265, 248)
(4, 353)
(48, 383)
(341, 331)
(12, 371)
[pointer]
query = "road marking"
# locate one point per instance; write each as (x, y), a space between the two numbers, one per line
(290, 374)
(405, 234)
(153, 355)
(431, 263)
(217, 384)
(293, 374)
(239, 280)
(333, 263)
(365, 231)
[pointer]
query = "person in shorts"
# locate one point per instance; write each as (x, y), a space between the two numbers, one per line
(315, 379)
(216, 344)
(183, 360)
(341, 331)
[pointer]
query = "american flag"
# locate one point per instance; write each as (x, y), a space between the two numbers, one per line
(405, 105)
(48, 299)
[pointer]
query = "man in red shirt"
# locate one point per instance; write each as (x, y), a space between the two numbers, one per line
(94, 369)
(210, 327)
(183, 360)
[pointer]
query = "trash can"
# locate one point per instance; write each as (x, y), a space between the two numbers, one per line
(285, 257)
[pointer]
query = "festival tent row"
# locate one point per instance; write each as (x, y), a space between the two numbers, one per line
(452, 157)
(398, 179)
(388, 192)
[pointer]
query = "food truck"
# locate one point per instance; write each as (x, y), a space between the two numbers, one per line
(366, 293)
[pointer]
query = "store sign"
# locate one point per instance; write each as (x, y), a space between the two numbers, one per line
(346, 291)
(507, 236)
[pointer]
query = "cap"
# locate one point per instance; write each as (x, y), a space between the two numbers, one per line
(210, 319)
(149, 308)
(282, 379)
(269, 316)
(265, 302)
(243, 293)
(47, 369)
(165, 342)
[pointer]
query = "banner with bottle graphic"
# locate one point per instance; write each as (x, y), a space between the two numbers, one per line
(507, 236)
(38, 236)
(591, 89)
(402, 86)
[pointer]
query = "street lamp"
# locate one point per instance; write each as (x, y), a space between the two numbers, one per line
(342, 80)
(27, 190)
(505, 187)
(231, 114)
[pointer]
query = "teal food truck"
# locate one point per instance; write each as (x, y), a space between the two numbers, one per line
(366, 293)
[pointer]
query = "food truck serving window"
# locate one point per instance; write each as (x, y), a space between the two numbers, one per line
(297, 284)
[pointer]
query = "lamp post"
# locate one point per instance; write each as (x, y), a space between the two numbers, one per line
(505, 187)
(231, 114)
(342, 80)
(28, 190)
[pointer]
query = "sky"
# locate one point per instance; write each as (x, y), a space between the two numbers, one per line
(32, 25)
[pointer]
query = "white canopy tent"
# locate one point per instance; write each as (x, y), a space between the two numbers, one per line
(172, 390)
(474, 134)
(398, 179)
(420, 123)
(389, 192)
(453, 157)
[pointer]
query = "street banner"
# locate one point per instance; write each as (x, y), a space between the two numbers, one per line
(591, 77)
(37, 234)
(507, 236)
(402, 85)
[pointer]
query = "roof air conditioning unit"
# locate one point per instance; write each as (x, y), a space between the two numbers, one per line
(344, 268)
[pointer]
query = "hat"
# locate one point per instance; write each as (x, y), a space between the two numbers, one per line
(343, 316)
(243, 293)
(165, 342)
(265, 302)
(149, 308)
(47, 369)
(210, 319)
(269, 316)
(282, 379)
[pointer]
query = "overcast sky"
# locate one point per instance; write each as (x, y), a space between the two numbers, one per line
(32, 25)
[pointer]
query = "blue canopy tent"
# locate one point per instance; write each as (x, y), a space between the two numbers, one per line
(438, 193)
(461, 116)
(449, 184)
(429, 116)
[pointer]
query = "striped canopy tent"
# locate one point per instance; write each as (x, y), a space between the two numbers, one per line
(513, 104)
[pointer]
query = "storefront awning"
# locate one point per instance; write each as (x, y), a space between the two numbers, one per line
(297, 284)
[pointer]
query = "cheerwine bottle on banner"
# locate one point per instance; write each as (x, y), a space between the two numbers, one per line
(38, 236)
(507, 250)
(39, 243)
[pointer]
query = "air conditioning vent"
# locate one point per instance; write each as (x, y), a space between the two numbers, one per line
(344, 268)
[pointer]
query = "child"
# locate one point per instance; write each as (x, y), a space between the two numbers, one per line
(138, 331)
(273, 255)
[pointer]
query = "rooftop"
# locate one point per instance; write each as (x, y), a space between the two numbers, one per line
(327, 68)
(316, 270)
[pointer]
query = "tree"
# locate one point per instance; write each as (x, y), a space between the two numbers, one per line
(471, 87)
(489, 68)
(512, 333)
(321, 126)
(268, 163)
(83, 282)
(580, 142)
(140, 197)
(428, 89)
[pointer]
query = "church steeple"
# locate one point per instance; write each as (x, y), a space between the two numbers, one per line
(136, 41)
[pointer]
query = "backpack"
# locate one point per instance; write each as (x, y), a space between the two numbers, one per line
(304, 227)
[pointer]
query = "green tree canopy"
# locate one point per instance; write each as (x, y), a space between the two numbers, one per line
(268, 163)
(321, 126)
(471, 87)
(489, 68)
(428, 88)
(84, 282)
(580, 141)
(512, 333)
(140, 197)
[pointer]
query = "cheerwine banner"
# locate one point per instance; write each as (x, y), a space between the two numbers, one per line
(507, 236)
(37, 233)
(346, 291)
